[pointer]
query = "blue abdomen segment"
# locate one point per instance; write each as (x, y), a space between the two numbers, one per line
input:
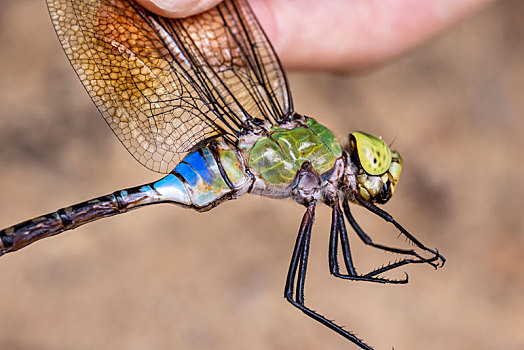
(200, 182)
(197, 180)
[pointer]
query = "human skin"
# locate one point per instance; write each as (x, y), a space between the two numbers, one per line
(340, 35)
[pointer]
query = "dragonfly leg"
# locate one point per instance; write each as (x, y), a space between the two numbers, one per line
(436, 260)
(338, 230)
(367, 240)
(297, 271)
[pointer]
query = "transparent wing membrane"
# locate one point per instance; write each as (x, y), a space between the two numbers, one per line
(167, 85)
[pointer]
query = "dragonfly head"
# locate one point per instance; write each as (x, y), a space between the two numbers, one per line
(377, 167)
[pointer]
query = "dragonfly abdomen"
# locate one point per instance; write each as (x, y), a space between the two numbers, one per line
(200, 181)
(204, 177)
(27, 232)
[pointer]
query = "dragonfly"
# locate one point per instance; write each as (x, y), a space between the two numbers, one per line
(204, 101)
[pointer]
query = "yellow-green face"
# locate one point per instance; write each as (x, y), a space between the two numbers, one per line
(379, 167)
(373, 153)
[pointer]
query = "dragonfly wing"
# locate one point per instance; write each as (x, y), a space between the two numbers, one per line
(165, 86)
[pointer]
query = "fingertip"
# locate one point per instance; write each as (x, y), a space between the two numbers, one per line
(265, 13)
(178, 8)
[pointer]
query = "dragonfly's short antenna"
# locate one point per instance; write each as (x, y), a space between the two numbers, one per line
(392, 141)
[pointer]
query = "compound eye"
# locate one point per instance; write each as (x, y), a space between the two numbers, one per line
(373, 153)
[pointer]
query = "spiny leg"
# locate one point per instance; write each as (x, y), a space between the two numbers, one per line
(367, 240)
(388, 218)
(371, 276)
(299, 262)
(338, 229)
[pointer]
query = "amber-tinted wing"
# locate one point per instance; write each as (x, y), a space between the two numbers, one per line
(165, 85)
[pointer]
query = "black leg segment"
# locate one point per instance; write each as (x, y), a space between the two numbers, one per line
(436, 260)
(299, 264)
(338, 231)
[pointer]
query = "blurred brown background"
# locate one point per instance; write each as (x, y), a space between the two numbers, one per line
(168, 278)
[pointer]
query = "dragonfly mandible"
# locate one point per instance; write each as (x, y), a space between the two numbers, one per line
(204, 101)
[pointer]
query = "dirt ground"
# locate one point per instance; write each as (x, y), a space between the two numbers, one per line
(167, 278)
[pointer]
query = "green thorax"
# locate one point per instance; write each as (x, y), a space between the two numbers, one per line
(278, 156)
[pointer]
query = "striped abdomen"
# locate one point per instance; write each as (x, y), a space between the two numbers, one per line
(202, 180)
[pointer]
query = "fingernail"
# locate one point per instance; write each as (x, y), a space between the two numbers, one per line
(179, 8)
